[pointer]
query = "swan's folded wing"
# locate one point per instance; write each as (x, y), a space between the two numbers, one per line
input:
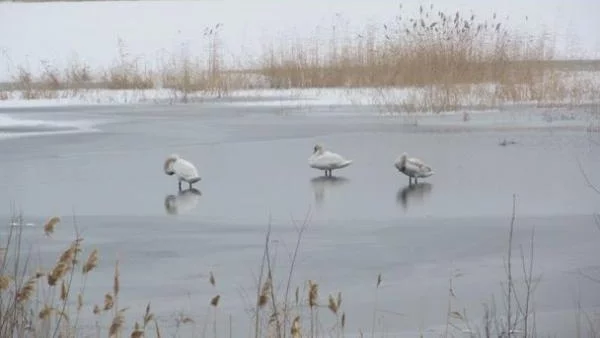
(419, 164)
(334, 159)
(185, 169)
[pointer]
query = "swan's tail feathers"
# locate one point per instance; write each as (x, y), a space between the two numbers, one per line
(194, 180)
(345, 163)
(427, 172)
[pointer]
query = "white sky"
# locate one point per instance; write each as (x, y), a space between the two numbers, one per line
(56, 31)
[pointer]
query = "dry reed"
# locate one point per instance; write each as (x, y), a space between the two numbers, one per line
(446, 59)
(51, 311)
(51, 224)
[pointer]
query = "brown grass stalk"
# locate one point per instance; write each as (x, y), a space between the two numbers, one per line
(446, 59)
(50, 225)
(509, 325)
(261, 297)
(54, 311)
(313, 303)
(291, 271)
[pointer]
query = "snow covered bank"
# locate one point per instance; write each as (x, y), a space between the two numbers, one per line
(15, 127)
(388, 100)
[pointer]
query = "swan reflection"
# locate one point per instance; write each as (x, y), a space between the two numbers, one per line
(415, 192)
(184, 201)
(321, 183)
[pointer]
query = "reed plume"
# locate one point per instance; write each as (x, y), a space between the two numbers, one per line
(50, 225)
(91, 262)
(116, 324)
(25, 293)
(5, 282)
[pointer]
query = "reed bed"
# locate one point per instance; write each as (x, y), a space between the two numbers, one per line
(36, 302)
(444, 60)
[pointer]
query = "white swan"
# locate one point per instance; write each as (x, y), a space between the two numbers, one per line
(325, 160)
(412, 167)
(184, 170)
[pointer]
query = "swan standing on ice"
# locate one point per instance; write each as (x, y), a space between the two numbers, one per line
(184, 170)
(412, 167)
(325, 160)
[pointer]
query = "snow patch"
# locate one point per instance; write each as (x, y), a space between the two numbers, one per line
(11, 127)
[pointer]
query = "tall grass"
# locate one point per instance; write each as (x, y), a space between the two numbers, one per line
(44, 302)
(37, 302)
(433, 48)
(450, 58)
(445, 59)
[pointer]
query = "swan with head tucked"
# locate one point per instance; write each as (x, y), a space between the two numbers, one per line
(182, 169)
(412, 167)
(326, 160)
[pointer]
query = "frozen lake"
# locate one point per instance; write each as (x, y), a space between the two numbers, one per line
(103, 164)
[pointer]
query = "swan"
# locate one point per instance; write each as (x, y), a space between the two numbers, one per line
(325, 160)
(184, 170)
(412, 167)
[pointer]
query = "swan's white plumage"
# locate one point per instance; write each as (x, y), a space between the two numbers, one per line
(413, 167)
(182, 169)
(326, 160)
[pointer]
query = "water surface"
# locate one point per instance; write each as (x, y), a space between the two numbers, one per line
(107, 172)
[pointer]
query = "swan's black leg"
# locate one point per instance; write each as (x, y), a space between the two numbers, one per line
(190, 185)
(179, 185)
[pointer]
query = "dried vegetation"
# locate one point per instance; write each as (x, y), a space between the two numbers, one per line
(44, 303)
(442, 61)
(38, 302)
